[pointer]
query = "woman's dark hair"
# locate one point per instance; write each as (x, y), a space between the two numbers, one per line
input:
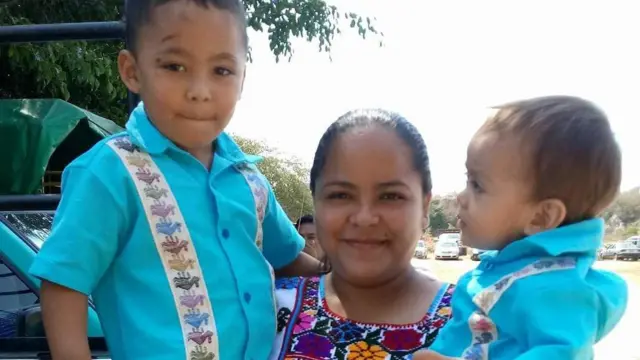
(368, 118)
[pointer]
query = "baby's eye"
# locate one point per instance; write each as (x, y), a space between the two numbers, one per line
(222, 71)
(474, 185)
(175, 67)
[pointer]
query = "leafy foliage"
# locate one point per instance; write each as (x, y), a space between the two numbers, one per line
(85, 73)
(288, 177)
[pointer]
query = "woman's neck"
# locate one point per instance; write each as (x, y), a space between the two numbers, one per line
(399, 300)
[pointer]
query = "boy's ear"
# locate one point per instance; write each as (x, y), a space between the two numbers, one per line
(128, 71)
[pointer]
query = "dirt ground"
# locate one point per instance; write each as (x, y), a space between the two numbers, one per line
(620, 344)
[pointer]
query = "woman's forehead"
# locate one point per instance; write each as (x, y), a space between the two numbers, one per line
(369, 155)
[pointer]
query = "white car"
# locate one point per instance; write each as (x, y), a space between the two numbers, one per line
(421, 250)
(447, 249)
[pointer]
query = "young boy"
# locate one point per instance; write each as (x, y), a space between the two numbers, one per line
(540, 171)
(170, 222)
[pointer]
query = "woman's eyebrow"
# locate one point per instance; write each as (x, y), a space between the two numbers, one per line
(393, 183)
(341, 183)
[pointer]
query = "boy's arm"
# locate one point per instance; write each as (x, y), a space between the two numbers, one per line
(282, 245)
(64, 313)
(82, 245)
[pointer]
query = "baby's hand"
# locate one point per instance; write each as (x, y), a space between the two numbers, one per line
(429, 355)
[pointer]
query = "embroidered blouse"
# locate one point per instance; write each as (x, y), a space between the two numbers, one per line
(309, 330)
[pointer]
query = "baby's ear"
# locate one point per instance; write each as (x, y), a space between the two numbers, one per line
(548, 214)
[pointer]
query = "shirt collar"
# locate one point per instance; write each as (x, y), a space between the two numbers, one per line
(582, 238)
(144, 134)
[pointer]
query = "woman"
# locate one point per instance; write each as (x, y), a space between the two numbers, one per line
(371, 186)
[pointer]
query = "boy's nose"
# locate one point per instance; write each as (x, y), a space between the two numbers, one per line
(198, 91)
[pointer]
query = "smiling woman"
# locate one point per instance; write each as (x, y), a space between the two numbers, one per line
(371, 186)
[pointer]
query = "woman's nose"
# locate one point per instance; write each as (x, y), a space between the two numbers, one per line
(366, 216)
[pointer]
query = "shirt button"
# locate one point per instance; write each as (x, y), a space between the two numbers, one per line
(225, 233)
(247, 297)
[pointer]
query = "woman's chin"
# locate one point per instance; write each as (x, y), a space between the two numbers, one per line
(363, 274)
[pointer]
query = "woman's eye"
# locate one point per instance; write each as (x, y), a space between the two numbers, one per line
(338, 196)
(222, 71)
(175, 67)
(392, 196)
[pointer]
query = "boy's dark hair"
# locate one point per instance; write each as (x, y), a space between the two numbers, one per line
(374, 117)
(138, 13)
(574, 156)
(304, 219)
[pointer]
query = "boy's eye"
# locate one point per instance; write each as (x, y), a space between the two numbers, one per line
(175, 67)
(222, 71)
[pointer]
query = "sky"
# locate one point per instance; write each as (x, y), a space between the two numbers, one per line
(441, 65)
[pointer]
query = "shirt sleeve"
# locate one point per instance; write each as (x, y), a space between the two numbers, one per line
(564, 324)
(281, 243)
(84, 235)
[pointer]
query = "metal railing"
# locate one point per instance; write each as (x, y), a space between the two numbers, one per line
(90, 31)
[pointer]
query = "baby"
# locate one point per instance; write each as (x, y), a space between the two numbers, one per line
(540, 171)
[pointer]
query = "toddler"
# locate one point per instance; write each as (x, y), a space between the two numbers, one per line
(170, 222)
(540, 171)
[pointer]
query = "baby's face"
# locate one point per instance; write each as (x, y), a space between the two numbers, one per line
(495, 206)
(189, 70)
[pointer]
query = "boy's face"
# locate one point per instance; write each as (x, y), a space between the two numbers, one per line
(188, 69)
(495, 207)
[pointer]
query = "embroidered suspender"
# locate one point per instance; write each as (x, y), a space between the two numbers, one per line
(483, 329)
(175, 247)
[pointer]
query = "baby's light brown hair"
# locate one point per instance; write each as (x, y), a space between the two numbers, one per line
(569, 150)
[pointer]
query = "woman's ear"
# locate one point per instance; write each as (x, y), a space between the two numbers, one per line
(426, 205)
(548, 214)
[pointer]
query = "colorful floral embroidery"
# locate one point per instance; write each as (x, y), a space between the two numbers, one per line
(483, 329)
(176, 251)
(316, 333)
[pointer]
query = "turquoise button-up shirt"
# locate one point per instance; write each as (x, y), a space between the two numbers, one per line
(101, 245)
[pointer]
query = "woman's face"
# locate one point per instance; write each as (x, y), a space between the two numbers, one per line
(369, 205)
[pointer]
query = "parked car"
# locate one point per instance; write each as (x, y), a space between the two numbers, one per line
(50, 133)
(25, 223)
(635, 240)
(607, 251)
(626, 251)
(421, 250)
(475, 254)
(447, 249)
